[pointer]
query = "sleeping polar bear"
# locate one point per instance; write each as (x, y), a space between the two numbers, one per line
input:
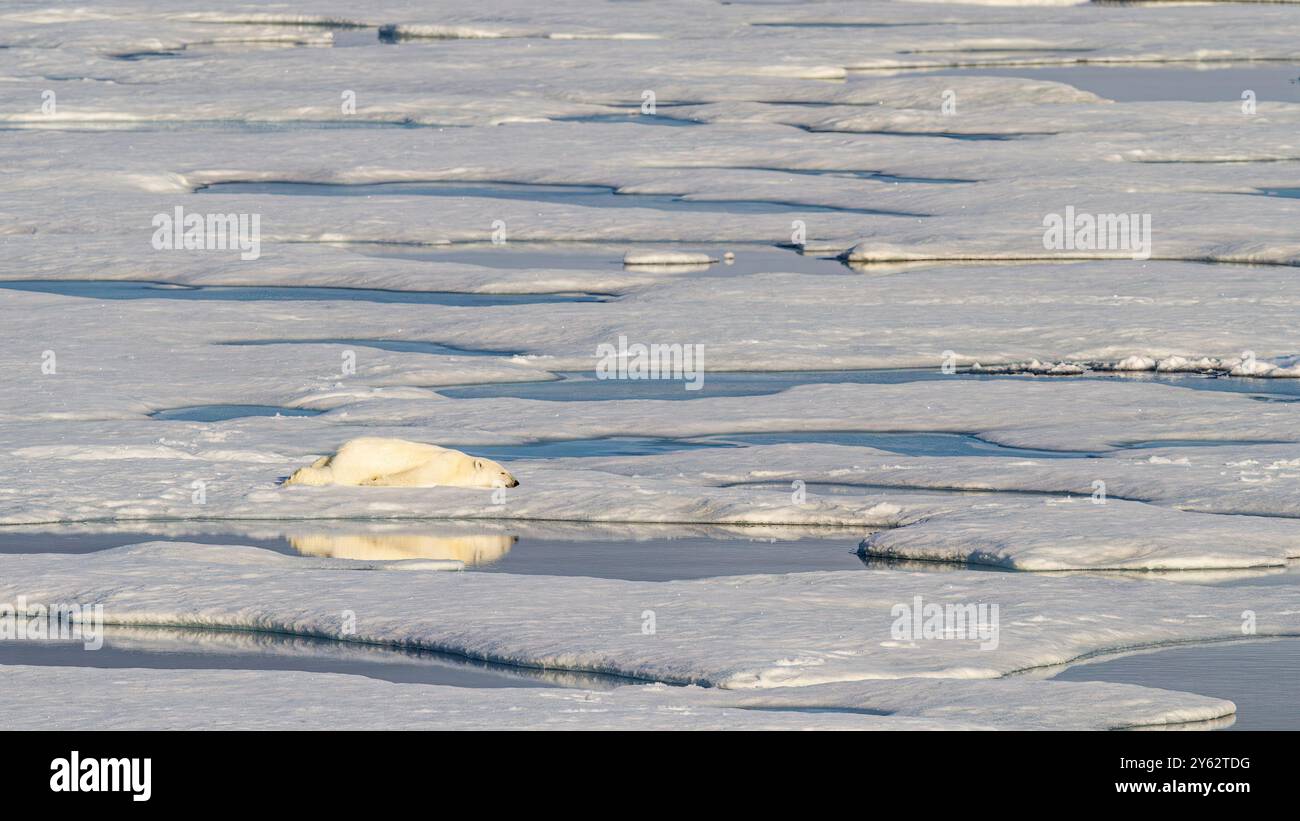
(379, 462)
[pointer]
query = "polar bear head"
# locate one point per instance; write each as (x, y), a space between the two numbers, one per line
(491, 474)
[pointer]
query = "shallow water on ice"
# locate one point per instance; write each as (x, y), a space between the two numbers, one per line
(636, 118)
(749, 259)
(1201, 443)
(81, 539)
(1289, 576)
(598, 196)
(988, 136)
(249, 126)
(395, 345)
(578, 386)
(598, 446)
(904, 443)
(354, 37)
(1200, 82)
(1261, 389)
(220, 413)
(592, 553)
(132, 289)
(1258, 676)
(868, 175)
(224, 651)
(909, 444)
(836, 24)
(672, 559)
(854, 489)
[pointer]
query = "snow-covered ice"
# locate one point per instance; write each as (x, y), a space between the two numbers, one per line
(256, 700)
(735, 632)
(797, 134)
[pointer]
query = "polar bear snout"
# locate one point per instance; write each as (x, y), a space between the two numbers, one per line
(496, 475)
(502, 478)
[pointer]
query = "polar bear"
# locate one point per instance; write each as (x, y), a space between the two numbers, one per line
(380, 462)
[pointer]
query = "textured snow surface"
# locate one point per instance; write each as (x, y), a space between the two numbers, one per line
(736, 632)
(772, 126)
(230, 700)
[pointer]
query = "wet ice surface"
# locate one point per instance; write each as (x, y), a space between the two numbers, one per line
(1258, 676)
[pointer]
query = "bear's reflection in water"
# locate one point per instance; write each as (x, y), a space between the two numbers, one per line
(473, 550)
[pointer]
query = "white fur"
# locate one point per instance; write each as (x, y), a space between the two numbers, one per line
(380, 462)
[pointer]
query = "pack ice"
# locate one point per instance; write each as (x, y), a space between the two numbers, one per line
(482, 196)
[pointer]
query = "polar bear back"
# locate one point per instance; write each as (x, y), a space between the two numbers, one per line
(362, 459)
(381, 462)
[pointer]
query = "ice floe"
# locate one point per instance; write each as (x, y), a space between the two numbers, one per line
(404, 127)
(737, 632)
(259, 700)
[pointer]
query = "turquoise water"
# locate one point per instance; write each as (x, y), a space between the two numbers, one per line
(220, 413)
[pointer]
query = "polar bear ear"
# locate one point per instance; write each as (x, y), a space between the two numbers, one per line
(478, 464)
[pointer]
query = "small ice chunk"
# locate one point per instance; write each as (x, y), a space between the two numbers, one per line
(1135, 363)
(667, 258)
